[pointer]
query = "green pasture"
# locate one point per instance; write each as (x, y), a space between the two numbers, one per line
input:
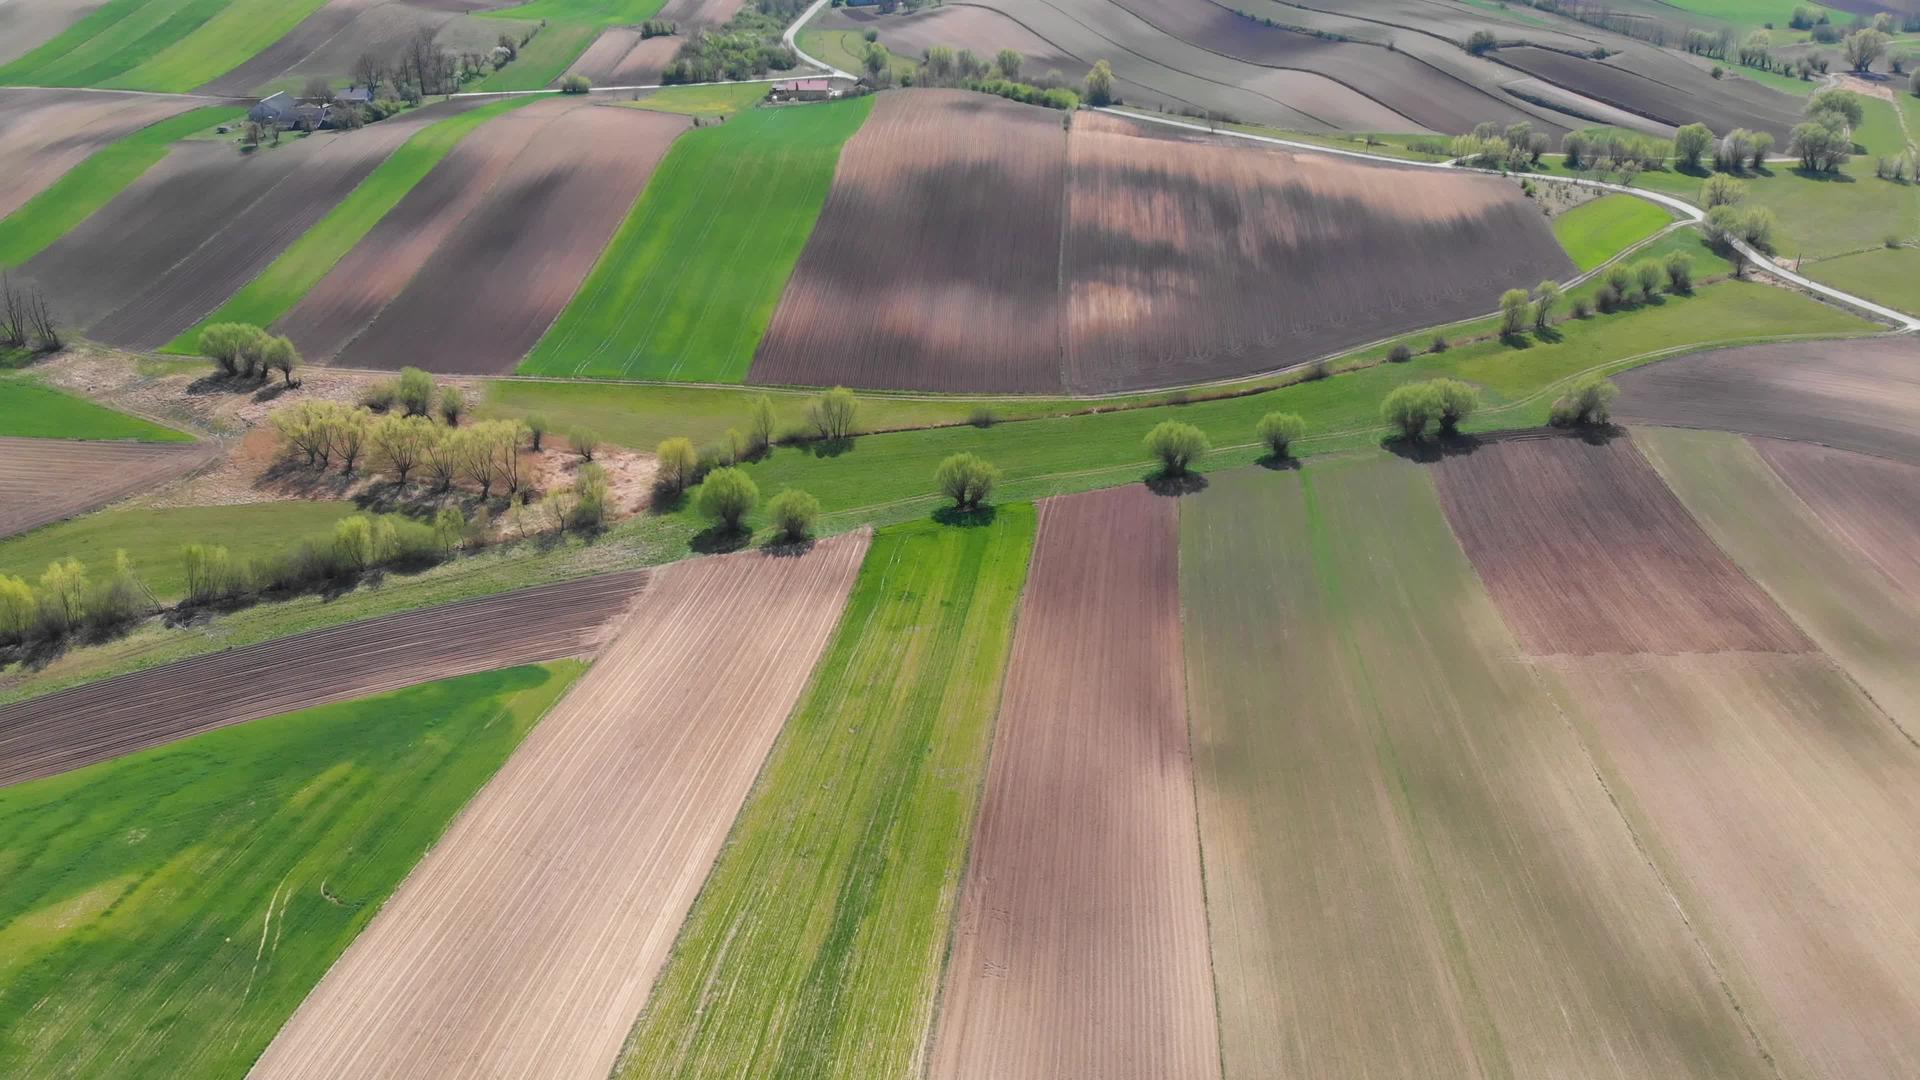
(715, 101)
(847, 50)
(165, 45)
(542, 60)
(31, 409)
(94, 182)
(301, 266)
(816, 946)
(690, 280)
(1753, 14)
(1596, 231)
(153, 537)
(596, 13)
(163, 913)
(1889, 276)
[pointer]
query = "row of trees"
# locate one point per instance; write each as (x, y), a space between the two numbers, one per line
(67, 599)
(1516, 147)
(244, 351)
(26, 319)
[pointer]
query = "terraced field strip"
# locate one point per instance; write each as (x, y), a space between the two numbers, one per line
(98, 721)
(816, 946)
(1851, 608)
(32, 409)
(166, 45)
(688, 284)
(1412, 869)
(1856, 395)
(163, 914)
(1596, 231)
(307, 260)
(236, 32)
(1649, 579)
(45, 480)
(526, 942)
(1081, 946)
(1873, 504)
(45, 133)
(37, 216)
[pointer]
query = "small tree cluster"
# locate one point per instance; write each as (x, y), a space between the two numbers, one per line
(1588, 403)
(486, 453)
(966, 479)
(1278, 431)
(25, 318)
(1177, 446)
(832, 414)
(1417, 410)
(67, 599)
(727, 496)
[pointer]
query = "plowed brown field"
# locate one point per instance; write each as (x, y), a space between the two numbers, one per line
(1661, 86)
(935, 261)
(513, 263)
(1189, 260)
(1782, 805)
(1857, 395)
(526, 942)
(27, 24)
(621, 57)
(1081, 946)
(43, 133)
(1586, 551)
(379, 267)
(65, 730)
(1874, 504)
(45, 480)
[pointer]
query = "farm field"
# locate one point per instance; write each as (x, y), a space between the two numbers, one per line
(1855, 395)
(45, 480)
(164, 45)
(307, 260)
(327, 42)
(687, 285)
(30, 409)
(1872, 503)
(1081, 943)
(548, 217)
(1362, 729)
(817, 943)
(718, 101)
(1596, 231)
(172, 907)
(101, 720)
(76, 191)
(622, 56)
(45, 133)
(1889, 276)
(1661, 87)
(506, 943)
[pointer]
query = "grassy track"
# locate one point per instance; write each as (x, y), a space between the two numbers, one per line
(165, 912)
(816, 947)
(94, 182)
(1889, 276)
(153, 538)
(688, 284)
(230, 38)
(299, 268)
(1596, 231)
(708, 102)
(542, 60)
(32, 410)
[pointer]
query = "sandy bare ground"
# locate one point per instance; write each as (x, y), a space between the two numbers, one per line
(516, 259)
(1081, 945)
(525, 944)
(1872, 503)
(1856, 395)
(43, 133)
(1782, 805)
(48, 480)
(26, 25)
(1585, 550)
(71, 728)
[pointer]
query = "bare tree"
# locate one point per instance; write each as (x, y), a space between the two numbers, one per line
(366, 72)
(13, 314)
(46, 332)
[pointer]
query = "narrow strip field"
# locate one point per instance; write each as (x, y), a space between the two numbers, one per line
(307, 260)
(687, 286)
(166, 45)
(30, 409)
(1596, 231)
(526, 942)
(1648, 578)
(91, 723)
(1856, 395)
(1412, 869)
(1872, 504)
(164, 914)
(816, 947)
(45, 133)
(45, 480)
(1081, 947)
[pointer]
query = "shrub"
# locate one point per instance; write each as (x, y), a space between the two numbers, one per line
(208, 570)
(982, 417)
(234, 347)
(592, 498)
(793, 513)
(575, 84)
(1546, 298)
(1589, 402)
(1679, 270)
(1648, 274)
(1457, 401)
(1621, 279)
(1399, 354)
(1439, 344)
(727, 496)
(1582, 308)
(1279, 431)
(677, 463)
(760, 425)
(1721, 190)
(1481, 42)
(379, 396)
(584, 441)
(1410, 410)
(1176, 445)
(415, 391)
(1514, 306)
(966, 479)
(453, 406)
(449, 527)
(537, 428)
(19, 609)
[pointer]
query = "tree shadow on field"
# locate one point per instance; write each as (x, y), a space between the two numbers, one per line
(966, 519)
(1279, 463)
(719, 540)
(1176, 484)
(1433, 448)
(666, 500)
(1549, 334)
(779, 547)
(829, 448)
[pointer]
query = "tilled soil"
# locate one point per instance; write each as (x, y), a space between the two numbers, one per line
(44, 133)
(48, 480)
(76, 727)
(1872, 503)
(1662, 87)
(526, 942)
(1081, 945)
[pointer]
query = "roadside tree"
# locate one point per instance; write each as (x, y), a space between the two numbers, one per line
(1514, 308)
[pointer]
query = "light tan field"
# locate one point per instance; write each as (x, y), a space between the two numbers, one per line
(1081, 946)
(525, 944)
(1873, 503)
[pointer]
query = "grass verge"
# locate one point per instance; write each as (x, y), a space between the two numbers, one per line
(29, 409)
(689, 282)
(831, 906)
(1596, 231)
(173, 907)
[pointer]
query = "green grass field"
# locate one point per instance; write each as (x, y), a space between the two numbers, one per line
(165, 45)
(707, 102)
(31, 409)
(1753, 14)
(94, 182)
(1889, 276)
(847, 50)
(301, 266)
(596, 13)
(817, 944)
(153, 538)
(1596, 231)
(690, 280)
(163, 913)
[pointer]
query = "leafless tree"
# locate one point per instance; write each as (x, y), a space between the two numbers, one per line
(13, 314)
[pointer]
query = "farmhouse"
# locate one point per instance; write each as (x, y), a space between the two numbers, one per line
(802, 90)
(276, 108)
